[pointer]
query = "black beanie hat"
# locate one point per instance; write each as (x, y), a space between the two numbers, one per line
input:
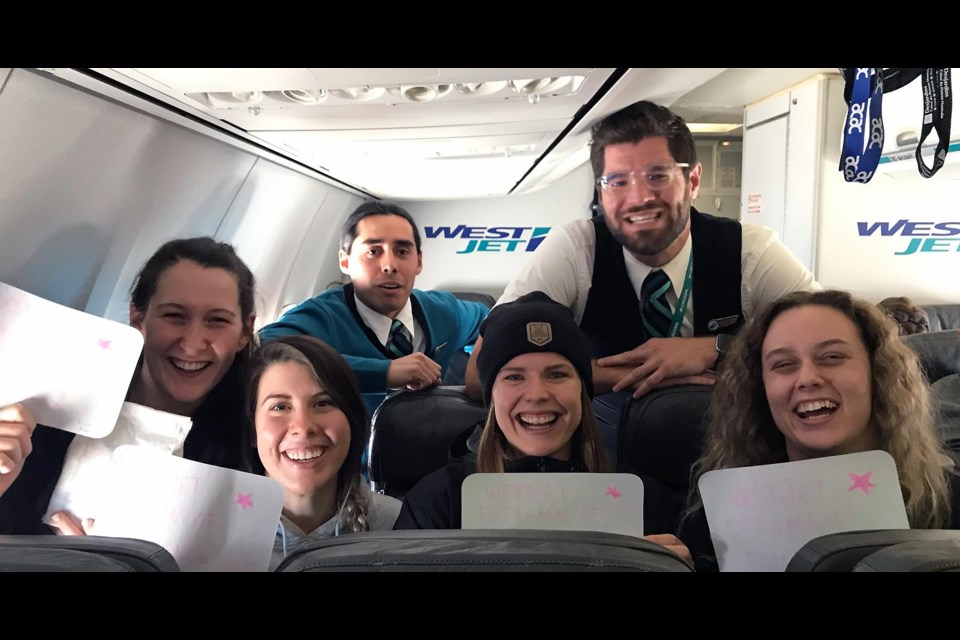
(532, 323)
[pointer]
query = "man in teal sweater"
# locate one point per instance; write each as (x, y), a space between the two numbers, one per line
(392, 335)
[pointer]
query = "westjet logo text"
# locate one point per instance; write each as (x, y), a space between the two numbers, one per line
(491, 239)
(924, 237)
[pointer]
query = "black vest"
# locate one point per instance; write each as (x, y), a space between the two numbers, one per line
(611, 319)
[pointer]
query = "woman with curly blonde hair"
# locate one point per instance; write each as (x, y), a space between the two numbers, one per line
(819, 374)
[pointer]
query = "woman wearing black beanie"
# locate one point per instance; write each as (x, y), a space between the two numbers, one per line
(537, 382)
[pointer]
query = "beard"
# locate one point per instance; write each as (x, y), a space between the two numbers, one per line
(653, 243)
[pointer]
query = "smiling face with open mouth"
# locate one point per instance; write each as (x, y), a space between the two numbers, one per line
(817, 377)
(302, 437)
(652, 224)
(192, 330)
(536, 400)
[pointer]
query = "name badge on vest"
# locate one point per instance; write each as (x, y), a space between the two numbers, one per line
(721, 323)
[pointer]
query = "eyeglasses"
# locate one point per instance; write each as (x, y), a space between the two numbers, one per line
(655, 177)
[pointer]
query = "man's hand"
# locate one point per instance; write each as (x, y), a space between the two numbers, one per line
(658, 360)
(415, 371)
(16, 427)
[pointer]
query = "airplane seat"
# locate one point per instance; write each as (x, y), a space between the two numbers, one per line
(661, 434)
(455, 374)
(841, 552)
(914, 557)
(83, 553)
(470, 296)
(939, 353)
(943, 316)
(483, 550)
(411, 433)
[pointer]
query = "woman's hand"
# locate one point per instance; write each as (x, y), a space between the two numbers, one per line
(673, 543)
(16, 427)
(66, 524)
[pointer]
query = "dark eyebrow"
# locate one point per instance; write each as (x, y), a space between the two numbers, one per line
(552, 367)
(180, 307)
(275, 396)
(402, 243)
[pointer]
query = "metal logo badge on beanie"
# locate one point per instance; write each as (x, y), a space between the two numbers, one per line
(539, 333)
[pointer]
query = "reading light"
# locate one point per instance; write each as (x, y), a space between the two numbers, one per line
(359, 94)
(480, 88)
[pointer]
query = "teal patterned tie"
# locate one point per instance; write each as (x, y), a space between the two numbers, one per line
(657, 317)
(399, 343)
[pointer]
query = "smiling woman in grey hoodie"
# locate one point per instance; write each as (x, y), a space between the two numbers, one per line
(308, 425)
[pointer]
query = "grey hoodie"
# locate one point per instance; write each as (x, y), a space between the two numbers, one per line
(382, 512)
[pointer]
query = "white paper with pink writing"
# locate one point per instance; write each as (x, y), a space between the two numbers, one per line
(69, 368)
(609, 502)
(761, 516)
(208, 518)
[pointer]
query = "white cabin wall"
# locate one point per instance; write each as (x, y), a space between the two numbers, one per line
(563, 201)
(804, 196)
(868, 265)
(270, 223)
(90, 188)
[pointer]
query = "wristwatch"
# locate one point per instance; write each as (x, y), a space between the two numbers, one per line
(723, 344)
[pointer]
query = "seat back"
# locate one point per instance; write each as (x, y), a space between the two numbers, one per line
(483, 550)
(915, 557)
(943, 316)
(840, 552)
(939, 352)
(483, 298)
(411, 433)
(661, 434)
(455, 372)
(83, 553)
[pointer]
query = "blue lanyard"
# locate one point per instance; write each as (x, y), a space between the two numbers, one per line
(861, 154)
(683, 300)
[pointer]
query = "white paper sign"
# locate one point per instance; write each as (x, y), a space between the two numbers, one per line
(761, 516)
(609, 502)
(69, 368)
(87, 464)
(208, 518)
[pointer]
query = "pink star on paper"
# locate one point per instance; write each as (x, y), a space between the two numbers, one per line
(104, 344)
(244, 500)
(861, 482)
(612, 492)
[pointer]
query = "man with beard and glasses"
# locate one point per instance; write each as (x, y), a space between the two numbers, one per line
(392, 335)
(657, 287)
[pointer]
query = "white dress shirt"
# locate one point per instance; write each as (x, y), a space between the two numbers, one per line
(562, 267)
(380, 324)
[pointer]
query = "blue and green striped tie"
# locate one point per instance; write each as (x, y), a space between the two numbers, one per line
(399, 343)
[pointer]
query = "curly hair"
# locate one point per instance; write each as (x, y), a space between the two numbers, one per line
(494, 449)
(333, 373)
(909, 317)
(741, 431)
